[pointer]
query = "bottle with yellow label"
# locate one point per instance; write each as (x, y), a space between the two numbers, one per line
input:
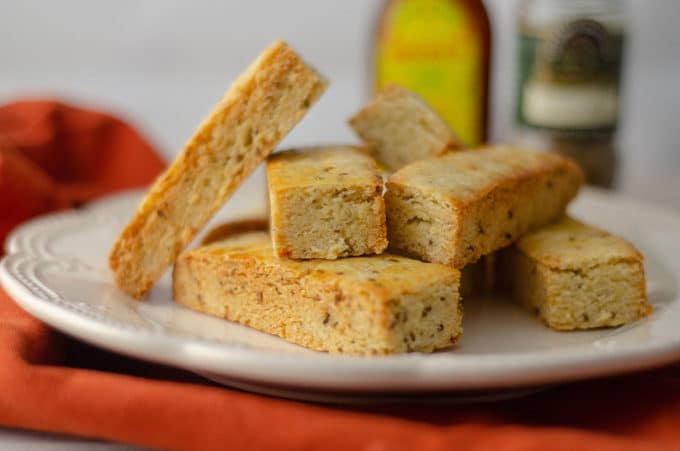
(440, 50)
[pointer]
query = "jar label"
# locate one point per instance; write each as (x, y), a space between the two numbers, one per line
(431, 48)
(569, 77)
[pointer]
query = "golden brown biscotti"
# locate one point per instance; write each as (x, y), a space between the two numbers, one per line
(456, 208)
(373, 305)
(257, 111)
(575, 276)
(400, 128)
(326, 202)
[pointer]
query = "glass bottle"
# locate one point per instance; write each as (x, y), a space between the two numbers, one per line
(570, 55)
(439, 49)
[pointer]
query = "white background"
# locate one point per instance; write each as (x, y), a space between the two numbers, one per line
(162, 64)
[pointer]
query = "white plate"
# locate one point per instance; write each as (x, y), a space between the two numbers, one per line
(56, 269)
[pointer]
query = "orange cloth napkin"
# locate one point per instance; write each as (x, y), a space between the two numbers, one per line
(53, 156)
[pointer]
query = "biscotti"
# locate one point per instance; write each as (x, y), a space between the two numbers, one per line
(575, 276)
(455, 208)
(400, 128)
(326, 203)
(257, 111)
(374, 305)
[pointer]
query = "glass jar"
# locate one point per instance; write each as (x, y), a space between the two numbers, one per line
(570, 55)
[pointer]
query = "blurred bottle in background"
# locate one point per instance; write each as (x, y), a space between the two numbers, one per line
(439, 49)
(569, 71)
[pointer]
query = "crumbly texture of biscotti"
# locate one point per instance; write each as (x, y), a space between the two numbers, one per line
(257, 111)
(400, 128)
(375, 305)
(326, 203)
(456, 208)
(575, 276)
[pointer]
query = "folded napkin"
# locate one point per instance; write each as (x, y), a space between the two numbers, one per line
(53, 156)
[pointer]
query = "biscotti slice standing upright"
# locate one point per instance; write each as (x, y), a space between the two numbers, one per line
(456, 208)
(400, 128)
(257, 111)
(326, 203)
(376, 305)
(575, 276)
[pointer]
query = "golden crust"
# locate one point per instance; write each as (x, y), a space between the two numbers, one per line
(321, 166)
(260, 107)
(571, 244)
(468, 204)
(326, 202)
(362, 305)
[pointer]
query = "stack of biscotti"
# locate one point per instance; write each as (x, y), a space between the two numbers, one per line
(327, 208)
(458, 209)
(466, 205)
(315, 279)
(318, 272)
